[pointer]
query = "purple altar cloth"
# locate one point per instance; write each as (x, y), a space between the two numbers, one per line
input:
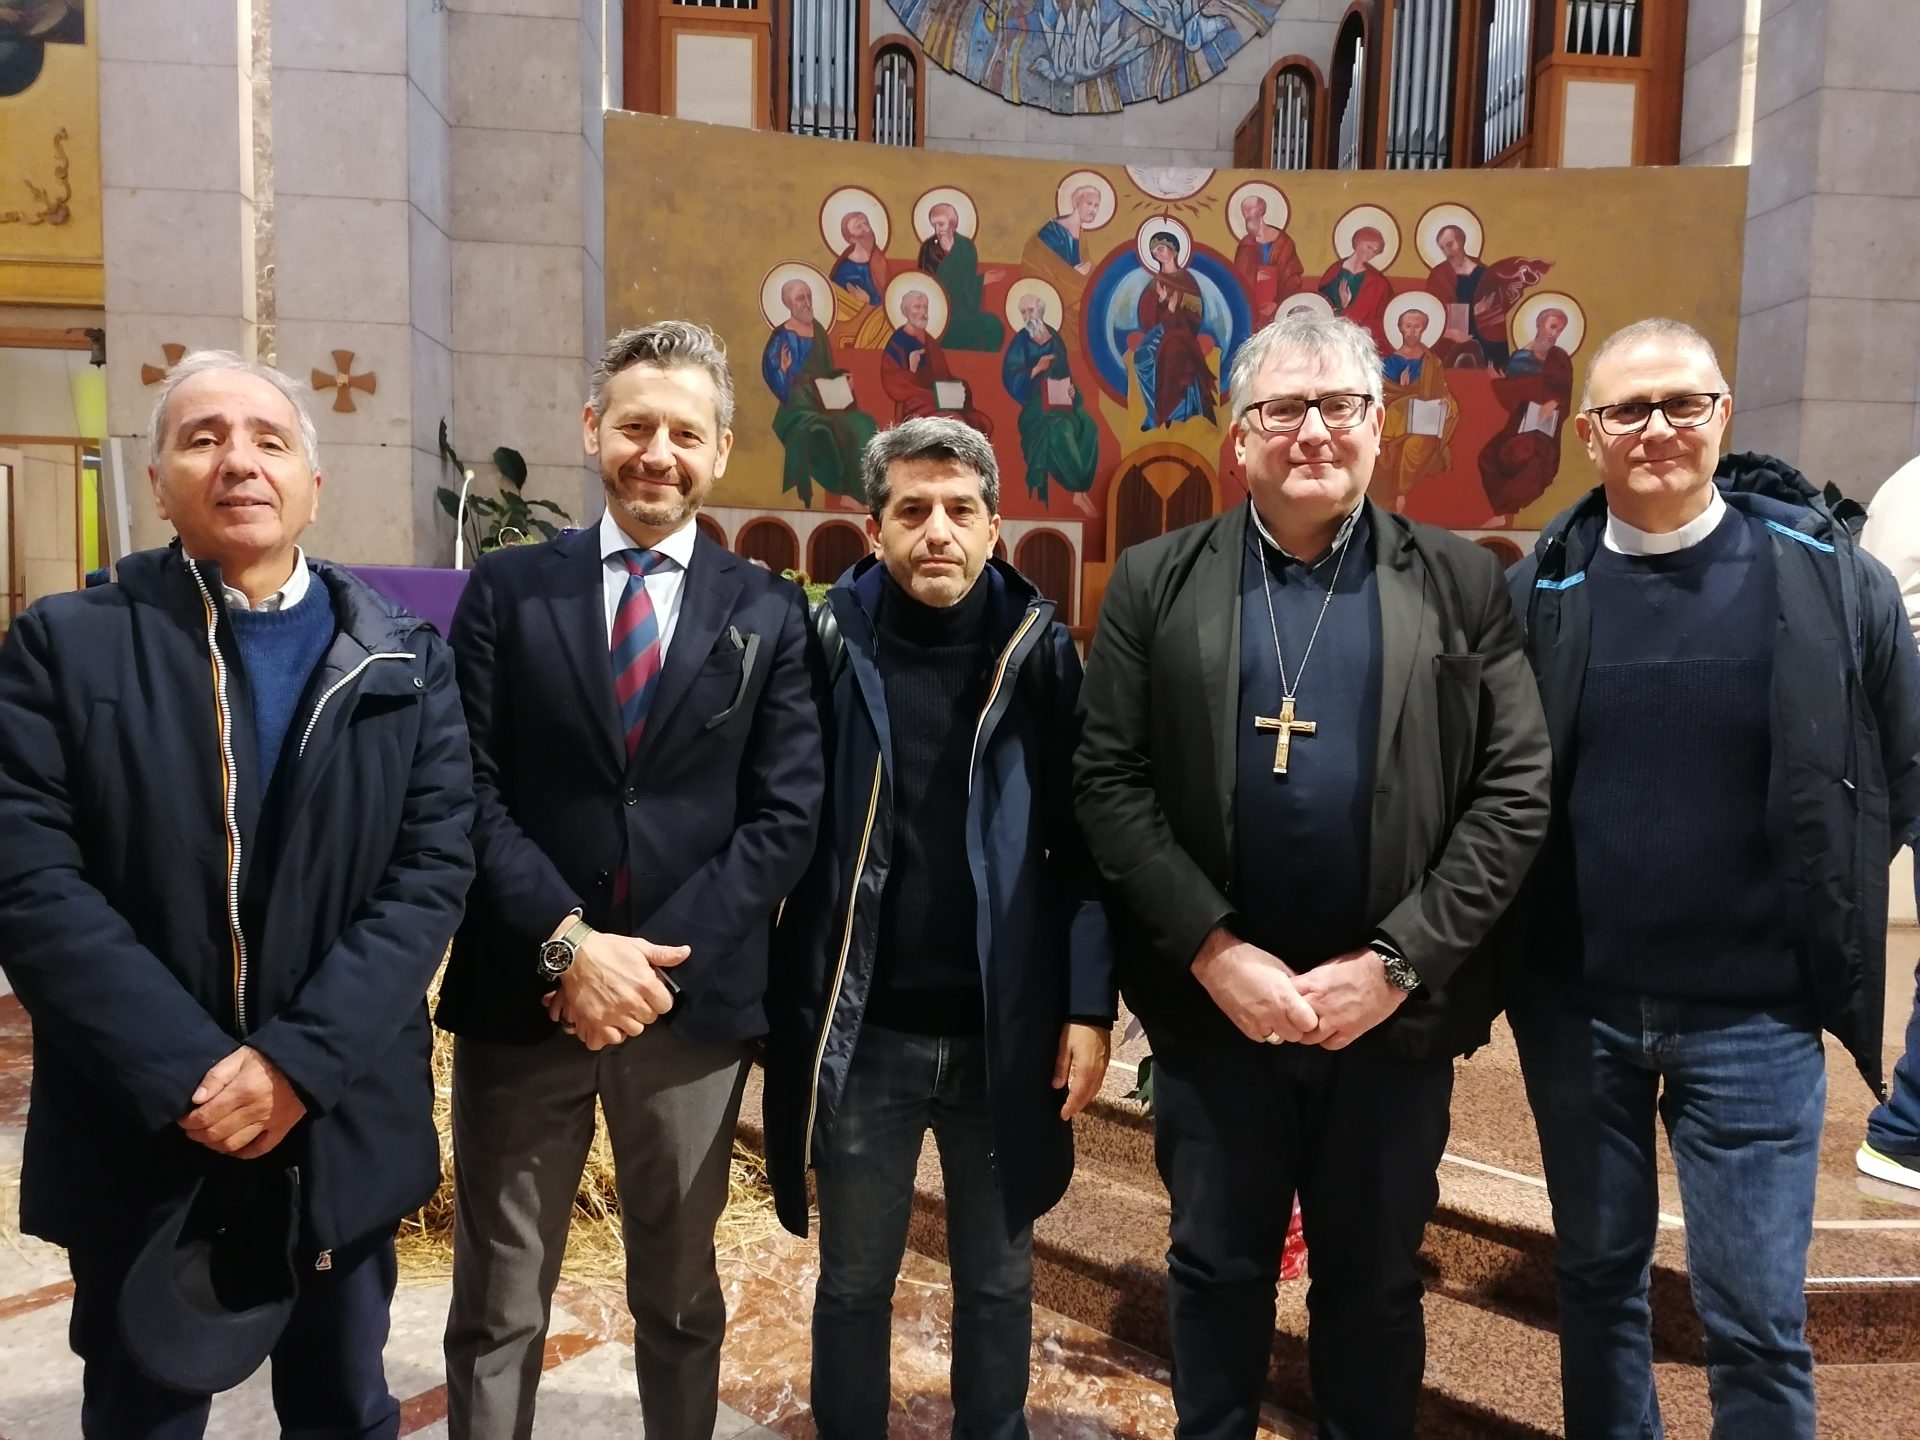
(430, 594)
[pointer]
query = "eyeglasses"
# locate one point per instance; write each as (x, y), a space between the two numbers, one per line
(1287, 413)
(1683, 412)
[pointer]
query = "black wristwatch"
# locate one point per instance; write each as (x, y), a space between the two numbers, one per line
(556, 955)
(1401, 975)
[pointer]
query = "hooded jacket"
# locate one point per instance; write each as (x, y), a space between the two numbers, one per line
(1042, 936)
(1845, 775)
(152, 922)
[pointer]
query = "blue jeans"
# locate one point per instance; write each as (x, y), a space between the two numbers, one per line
(899, 1086)
(1743, 1093)
(1894, 1126)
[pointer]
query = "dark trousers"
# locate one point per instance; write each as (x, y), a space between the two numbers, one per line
(329, 1379)
(1239, 1129)
(901, 1086)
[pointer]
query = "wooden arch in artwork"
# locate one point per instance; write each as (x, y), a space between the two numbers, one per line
(833, 549)
(1046, 558)
(1504, 550)
(1159, 488)
(710, 527)
(771, 542)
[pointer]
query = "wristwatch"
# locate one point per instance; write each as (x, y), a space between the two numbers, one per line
(556, 955)
(1400, 974)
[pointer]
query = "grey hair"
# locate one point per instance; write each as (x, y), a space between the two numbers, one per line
(929, 437)
(203, 362)
(667, 345)
(1334, 342)
(1655, 328)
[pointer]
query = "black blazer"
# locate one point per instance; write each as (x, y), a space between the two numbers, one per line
(714, 817)
(1461, 776)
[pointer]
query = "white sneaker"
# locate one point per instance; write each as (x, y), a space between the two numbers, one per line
(1895, 1169)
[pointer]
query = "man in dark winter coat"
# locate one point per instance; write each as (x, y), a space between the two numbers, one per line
(234, 801)
(1734, 701)
(944, 964)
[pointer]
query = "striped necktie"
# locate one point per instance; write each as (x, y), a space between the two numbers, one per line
(636, 646)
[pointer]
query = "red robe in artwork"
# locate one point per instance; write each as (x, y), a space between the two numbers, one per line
(1362, 298)
(1269, 273)
(912, 387)
(1517, 468)
(1175, 381)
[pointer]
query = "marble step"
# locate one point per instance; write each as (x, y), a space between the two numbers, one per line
(1490, 1242)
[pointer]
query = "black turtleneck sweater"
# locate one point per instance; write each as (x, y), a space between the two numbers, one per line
(934, 666)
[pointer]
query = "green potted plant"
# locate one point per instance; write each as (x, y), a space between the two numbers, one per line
(486, 522)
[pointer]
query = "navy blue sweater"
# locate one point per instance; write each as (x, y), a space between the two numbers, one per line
(280, 650)
(1677, 891)
(1301, 839)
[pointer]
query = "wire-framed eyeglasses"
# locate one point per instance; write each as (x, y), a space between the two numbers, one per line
(1286, 413)
(1683, 412)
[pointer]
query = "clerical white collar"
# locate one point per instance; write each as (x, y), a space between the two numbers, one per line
(1339, 536)
(1625, 539)
(285, 598)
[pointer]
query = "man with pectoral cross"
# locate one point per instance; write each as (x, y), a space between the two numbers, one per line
(1311, 854)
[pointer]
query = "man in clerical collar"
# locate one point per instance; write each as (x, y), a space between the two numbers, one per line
(1312, 773)
(1731, 687)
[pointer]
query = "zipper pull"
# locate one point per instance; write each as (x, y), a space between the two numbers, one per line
(324, 1260)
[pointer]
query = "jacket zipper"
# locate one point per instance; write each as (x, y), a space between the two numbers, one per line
(993, 693)
(341, 684)
(840, 969)
(229, 803)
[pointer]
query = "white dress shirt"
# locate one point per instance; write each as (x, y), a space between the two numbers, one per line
(285, 598)
(1625, 539)
(665, 585)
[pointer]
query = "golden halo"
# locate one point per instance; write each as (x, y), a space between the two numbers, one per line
(1380, 220)
(1086, 179)
(1277, 208)
(775, 309)
(1033, 285)
(1426, 235)
(1526, 316)
(842, 203)
(897, 289)
(945, 195)
(1419, 300)
(1155, 226)
(1311, 301)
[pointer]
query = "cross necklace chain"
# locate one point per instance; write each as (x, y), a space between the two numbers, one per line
(1284, 726)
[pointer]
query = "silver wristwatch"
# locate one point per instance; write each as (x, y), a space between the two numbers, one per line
(556, 955)
(1400, 974)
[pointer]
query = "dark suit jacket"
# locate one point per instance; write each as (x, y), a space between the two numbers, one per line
(1461, 777)
(715, 815)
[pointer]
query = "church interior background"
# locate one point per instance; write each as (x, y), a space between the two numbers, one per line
(1056, 218)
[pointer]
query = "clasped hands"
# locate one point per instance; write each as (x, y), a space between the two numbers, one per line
(610, 993)
(242, 1107)
(1331, 1005)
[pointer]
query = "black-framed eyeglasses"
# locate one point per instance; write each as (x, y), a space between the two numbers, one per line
(1286, 413)
(1683, 412)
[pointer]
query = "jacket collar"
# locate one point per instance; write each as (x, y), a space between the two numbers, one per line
(1011, 595)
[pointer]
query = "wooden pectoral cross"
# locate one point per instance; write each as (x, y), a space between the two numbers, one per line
(1286, 727)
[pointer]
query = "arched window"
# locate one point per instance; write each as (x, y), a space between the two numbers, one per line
(823, 68)
(1167, 486)
(1295, 87)
(1046, 558)
(1350, 94)
(893, 105)
(1508, 47)
(770, 542)
(1420, 87)
(832, 550)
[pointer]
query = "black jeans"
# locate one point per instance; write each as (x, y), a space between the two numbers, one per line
(329, 1378)
(1239, 1129)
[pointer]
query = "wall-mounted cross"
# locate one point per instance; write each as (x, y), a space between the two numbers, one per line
(343, 382)
(154, 374)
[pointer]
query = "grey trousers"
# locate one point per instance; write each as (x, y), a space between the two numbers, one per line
(522, 1125)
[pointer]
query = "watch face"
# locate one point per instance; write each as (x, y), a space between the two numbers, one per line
(556, 956)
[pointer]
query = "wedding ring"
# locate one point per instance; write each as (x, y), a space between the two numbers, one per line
(1273, 1039)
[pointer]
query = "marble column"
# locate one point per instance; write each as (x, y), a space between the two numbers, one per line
(1828, 372)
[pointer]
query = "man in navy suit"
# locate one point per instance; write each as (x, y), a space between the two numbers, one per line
(647, 776)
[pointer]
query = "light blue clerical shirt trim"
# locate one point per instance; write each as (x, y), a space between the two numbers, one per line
(1793, 534)
(1566, 584)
